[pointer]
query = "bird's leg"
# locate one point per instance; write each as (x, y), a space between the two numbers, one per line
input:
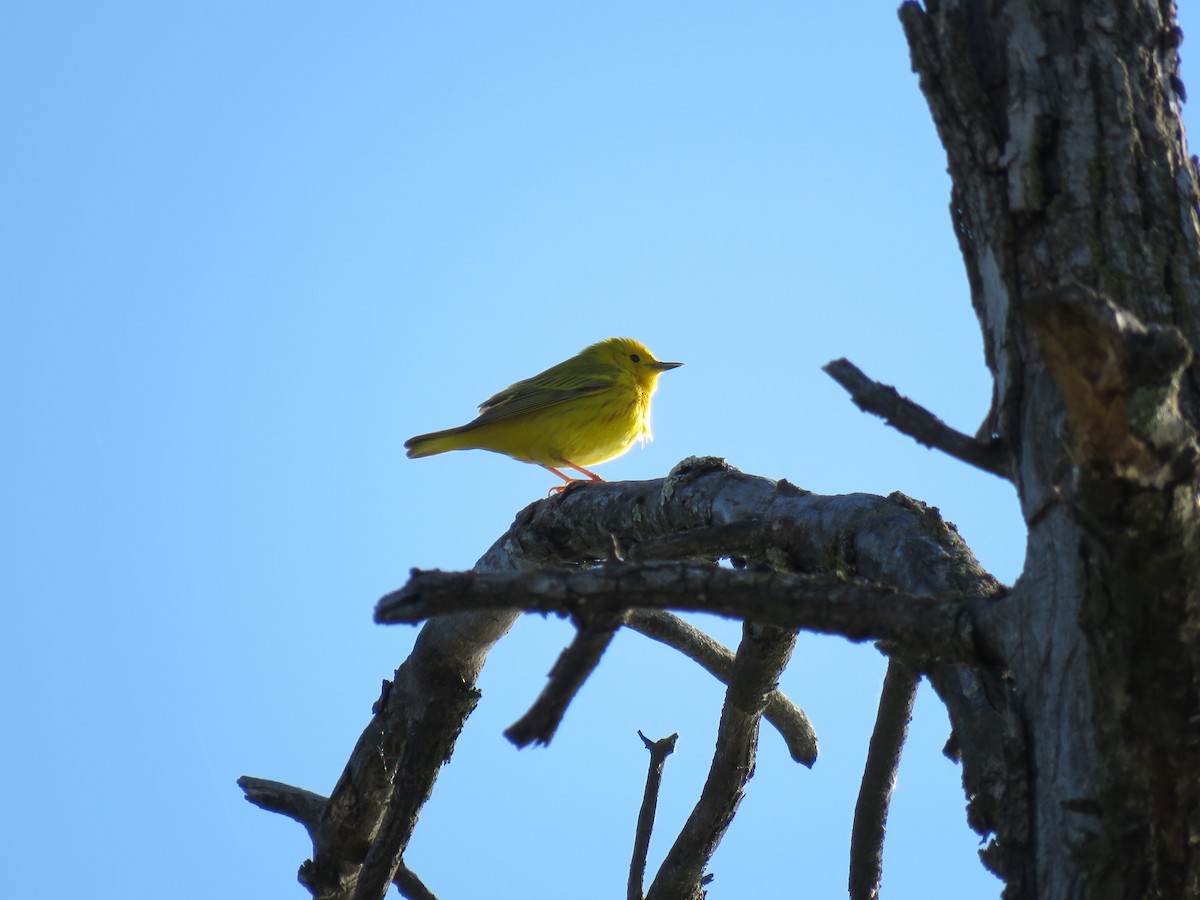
(559, 488)
(592, 475)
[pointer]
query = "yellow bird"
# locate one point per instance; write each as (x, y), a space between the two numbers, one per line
(586, 410)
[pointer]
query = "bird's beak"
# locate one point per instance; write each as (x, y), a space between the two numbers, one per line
(662, 366)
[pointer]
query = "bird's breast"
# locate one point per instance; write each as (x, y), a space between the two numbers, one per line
(613, 423)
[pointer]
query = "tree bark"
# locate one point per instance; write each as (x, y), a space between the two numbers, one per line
(1074, 202)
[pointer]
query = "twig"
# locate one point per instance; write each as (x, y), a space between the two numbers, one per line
(879, 779)
(924, 627)
(659, 751)
(306, 807)
(917, 422)
(274, 796)
(788, 718)
(761, 656)
(567, 676)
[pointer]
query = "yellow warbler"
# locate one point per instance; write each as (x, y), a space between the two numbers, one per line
(584, 411)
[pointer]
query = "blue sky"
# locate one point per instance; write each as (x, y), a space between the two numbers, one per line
(249, 249)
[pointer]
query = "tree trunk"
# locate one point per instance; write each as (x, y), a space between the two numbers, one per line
(1074, 202)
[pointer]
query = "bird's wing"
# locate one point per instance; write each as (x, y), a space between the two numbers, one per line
(543, 390)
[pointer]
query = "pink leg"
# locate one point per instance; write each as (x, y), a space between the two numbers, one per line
(559, 488)
(556, 472)
(592, 475)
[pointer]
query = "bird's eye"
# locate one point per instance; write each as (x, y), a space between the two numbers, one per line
(633, 357)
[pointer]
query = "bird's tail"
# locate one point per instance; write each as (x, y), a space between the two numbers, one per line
(435, 442)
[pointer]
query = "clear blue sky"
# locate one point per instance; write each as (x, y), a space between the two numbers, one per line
(249, 249)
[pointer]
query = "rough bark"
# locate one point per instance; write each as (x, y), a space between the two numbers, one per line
(1075, 207)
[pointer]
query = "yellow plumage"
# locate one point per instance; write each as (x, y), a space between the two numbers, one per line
(586, 410)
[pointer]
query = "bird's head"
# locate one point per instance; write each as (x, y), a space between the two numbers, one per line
(633, 357)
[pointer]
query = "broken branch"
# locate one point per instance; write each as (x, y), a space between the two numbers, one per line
(917, 422)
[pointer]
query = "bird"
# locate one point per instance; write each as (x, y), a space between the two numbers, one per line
(584, 411)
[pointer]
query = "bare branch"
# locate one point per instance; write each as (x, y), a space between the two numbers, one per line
(917, 422)
(567, 676)
(928, 628)
(761, 657)
(411, 886)
(659, 751)
(879, 779)
(274, 796)
(892, 540)
(306, 807)
(388, 774)
(416, 767)
(789, 719)
(383, 858)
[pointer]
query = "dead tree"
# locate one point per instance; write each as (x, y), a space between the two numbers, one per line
(1074, 695)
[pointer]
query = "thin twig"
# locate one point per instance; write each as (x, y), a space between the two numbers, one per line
(659, 751)
(761, 657)
(879, 779)
(567, 676)
(917, 422)
(787, 718)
